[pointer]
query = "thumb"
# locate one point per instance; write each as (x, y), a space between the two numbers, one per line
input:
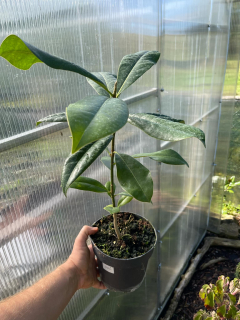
(83, 235)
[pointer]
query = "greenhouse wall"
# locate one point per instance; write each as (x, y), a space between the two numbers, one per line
(38, 224)
(226, 160)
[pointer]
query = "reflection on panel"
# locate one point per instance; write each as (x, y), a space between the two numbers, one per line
(179, 183)
(39, 225)
(182, 237)
(226, 120)
(95, 35)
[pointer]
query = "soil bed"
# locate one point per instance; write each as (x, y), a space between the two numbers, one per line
(138, 236)
(190, 302)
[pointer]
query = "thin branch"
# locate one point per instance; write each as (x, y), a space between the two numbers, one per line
(112, 189)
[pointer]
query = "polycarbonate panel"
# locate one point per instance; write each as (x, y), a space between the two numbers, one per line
(180, 240)
(226, 120)
(192, 69)
(93, 34)
(38, 225)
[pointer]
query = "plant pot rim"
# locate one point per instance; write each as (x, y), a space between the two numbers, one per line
(129, 258)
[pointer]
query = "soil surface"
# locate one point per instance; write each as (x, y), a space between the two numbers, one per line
(190, 302)
(138, 236)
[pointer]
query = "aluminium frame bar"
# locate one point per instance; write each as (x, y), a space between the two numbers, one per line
(22, 138)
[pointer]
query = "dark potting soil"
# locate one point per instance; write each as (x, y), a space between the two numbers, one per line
(190, 302)
(138, 236)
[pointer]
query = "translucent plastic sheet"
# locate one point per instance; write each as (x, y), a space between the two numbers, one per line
(38, 224)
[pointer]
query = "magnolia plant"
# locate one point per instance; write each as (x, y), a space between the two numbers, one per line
(94, 121)
(221, 300)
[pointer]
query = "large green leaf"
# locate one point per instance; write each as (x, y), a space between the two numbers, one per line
(95, 117)
(78, 162)
(164, 129)
(133, 66)
(23, 55)
(134, 177)
(57, 117)
(162, 116)
(88, 184)
(107, 78)
(167, 156)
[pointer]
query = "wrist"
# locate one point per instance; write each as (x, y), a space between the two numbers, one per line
(71, 272)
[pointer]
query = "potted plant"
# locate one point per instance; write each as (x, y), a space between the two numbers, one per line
(125, 241)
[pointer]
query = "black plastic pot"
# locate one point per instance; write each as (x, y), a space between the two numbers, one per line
(124, 275)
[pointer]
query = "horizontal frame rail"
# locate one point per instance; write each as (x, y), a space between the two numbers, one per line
(21, 138)
(178, 214)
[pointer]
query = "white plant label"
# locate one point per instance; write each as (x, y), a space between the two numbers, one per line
(108, 268)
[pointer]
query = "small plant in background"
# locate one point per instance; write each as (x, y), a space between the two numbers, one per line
(228, 207)
(221, 300)
(230, 184)
(237, 272)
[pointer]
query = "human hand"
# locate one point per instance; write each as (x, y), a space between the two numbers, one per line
(83, 259)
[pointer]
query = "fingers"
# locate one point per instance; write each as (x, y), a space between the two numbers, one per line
(99, 285)
(83, 235)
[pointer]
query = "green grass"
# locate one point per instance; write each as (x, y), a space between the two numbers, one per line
(238, 84)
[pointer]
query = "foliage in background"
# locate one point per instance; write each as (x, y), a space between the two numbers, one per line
(230, 184)
(228, 206)
(237, 272)
(238, 84)
(220, 300)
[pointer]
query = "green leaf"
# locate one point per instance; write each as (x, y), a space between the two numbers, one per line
(23, 55)
(231, 312)
(162, 116)
(107, 162)
(124, 200)
(164, 129)
(112, 209)
(219, 284)
(88, 184)
(108, 186)
(209, 300)
(199, 315)
(221, 311)
(234, 287)
(124, 194)
(134, 177)
(57, 117)
(78, 162)
(107, 78)
(133, 66)
(232, 298)
(167, 156)
(95, 117)
(202, 294)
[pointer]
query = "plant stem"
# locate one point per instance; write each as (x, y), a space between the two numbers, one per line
(112, 190)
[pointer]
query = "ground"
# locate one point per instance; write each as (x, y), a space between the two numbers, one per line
(190, 302)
